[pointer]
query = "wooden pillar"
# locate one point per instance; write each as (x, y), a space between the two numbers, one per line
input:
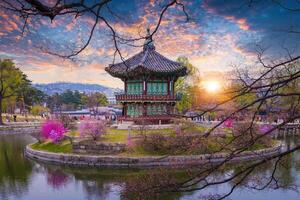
(125, 109)
(144, 87)
(173, 87)
(125, 86)
(168, 85)
(168, 108)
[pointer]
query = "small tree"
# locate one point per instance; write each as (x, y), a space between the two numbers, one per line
(228, 123)
(93, 101)
(53, 130)
(92, 128)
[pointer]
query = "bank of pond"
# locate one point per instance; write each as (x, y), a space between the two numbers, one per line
(23, 178)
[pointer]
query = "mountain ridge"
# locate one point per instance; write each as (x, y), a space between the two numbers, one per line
(59, 87)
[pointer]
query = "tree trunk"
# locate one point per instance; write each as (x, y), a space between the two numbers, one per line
(1, 120)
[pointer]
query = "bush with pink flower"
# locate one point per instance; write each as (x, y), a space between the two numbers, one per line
(265, 128)
(92, 128)
(228, 123)
(53, 130)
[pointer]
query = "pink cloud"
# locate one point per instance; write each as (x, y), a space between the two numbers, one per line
(241, 22)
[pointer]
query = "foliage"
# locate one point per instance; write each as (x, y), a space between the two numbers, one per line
(70, 100)
(245, 99)
(189, 140)
(38, 110)
(92, 128)
(265, 128)
(178, 144)
(55, 102)
(53, 130)
(228, 123)
(11, 80)
(71, 97)
(94, 99)
(183, 126)
(288, 103)
(67, 121)
(187, 86)
(246, 135)
(29, 95)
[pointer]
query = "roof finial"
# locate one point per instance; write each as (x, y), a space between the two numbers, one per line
(148, 44)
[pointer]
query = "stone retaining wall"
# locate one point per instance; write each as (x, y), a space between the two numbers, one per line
(146, 161)
(92, 147)
(19, 129)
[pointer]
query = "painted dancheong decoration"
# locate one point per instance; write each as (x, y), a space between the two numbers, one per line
(149, 79)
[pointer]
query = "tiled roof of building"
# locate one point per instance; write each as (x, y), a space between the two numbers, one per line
(149, 61)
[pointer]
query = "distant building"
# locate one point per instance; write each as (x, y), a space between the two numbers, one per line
(149, 80)
(96, 111)
(111, 100)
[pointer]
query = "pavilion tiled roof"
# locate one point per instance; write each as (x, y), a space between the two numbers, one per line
(148, 61)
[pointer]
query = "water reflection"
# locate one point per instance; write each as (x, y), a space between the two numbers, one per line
(21, 178)
(57, 178)
(15, 170)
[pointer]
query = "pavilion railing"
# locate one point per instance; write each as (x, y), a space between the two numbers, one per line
(147, 97)
(147, 117)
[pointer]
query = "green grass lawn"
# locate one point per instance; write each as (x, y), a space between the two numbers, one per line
(117, 135)
(61, 147)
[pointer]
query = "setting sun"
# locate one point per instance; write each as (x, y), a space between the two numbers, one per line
(211, 86)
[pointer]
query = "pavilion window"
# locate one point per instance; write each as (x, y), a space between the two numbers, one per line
(151, 110)
(134, 88)
(156, 109)
(160, 88)
(134, 110)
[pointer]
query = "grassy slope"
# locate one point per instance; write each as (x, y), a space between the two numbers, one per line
(62, 147)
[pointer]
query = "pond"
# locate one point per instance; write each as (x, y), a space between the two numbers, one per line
(21, 178)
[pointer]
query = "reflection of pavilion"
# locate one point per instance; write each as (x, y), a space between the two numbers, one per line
(149, 80)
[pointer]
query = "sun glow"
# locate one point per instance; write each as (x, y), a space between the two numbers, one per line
(212, 86)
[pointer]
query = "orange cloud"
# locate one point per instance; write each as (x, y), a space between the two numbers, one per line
(242, 22)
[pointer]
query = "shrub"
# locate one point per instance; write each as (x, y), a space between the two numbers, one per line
(228, 123)
(188, 143)
(186, 127)
(53, 130)
(67, 121)
(265, 128)
(92, 128)
(178, 144)
(247, 135)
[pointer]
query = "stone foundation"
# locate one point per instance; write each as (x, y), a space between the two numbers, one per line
(96, 147)
(24, 129)
(148, 161)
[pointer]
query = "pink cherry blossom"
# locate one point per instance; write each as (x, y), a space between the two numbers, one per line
(53, 130)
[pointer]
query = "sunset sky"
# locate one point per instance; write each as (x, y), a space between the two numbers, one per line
(217, 37)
